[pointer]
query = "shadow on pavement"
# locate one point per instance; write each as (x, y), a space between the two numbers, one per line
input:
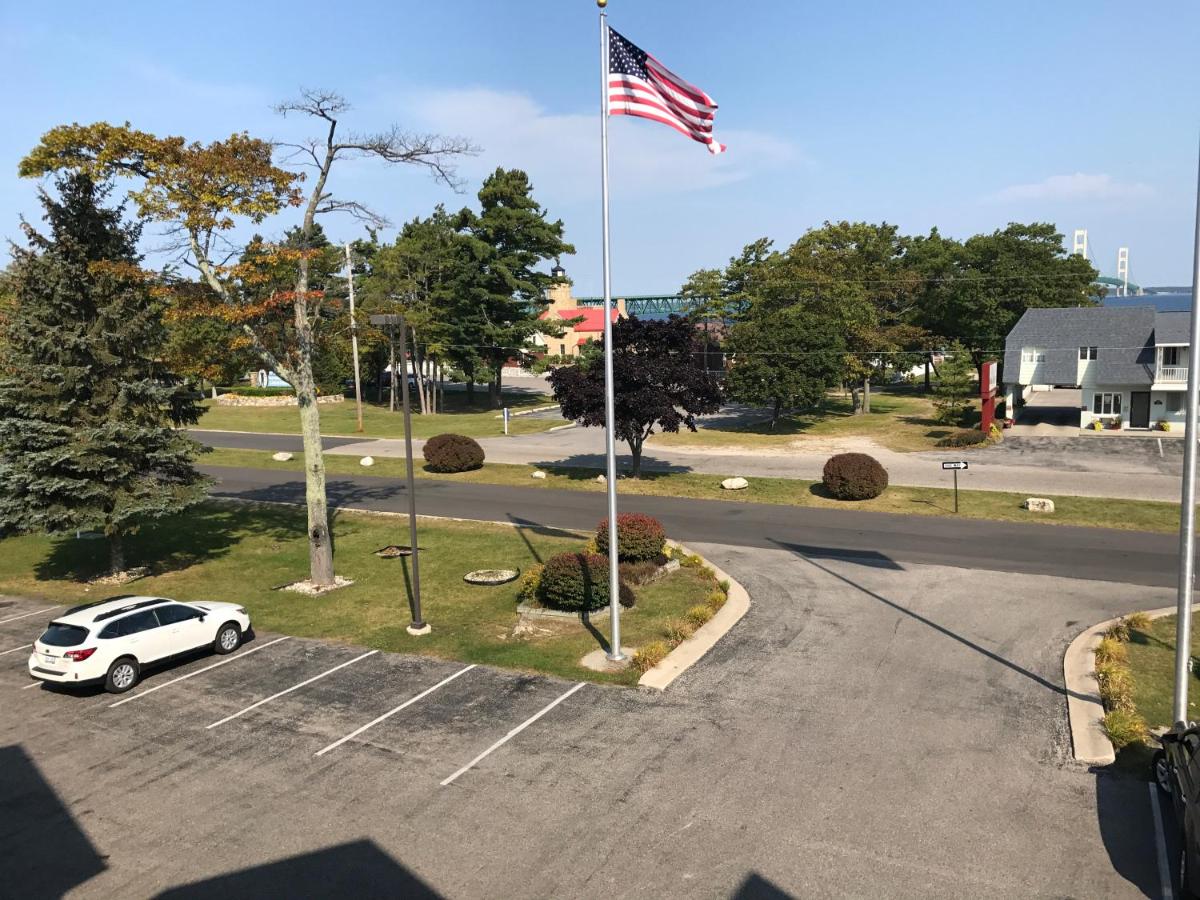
(578, 465)
(1126, 819)
(810, 555)
(358, 869)
(755, 887)
(46, 854)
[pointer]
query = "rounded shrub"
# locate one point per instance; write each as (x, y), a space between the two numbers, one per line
(530, 582)
(854, 476)
(578, 582)
(452, 453)
(639, 537)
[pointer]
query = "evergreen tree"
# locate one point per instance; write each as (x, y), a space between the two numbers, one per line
(510, 236)
(87, 409)
(956, 388)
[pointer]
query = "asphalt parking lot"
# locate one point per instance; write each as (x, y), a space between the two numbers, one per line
(869, 729)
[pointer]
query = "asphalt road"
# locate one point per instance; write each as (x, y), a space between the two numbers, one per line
(867, 730)
(1092, 553)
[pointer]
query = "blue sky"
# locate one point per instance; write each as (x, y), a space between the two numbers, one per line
(961, 115)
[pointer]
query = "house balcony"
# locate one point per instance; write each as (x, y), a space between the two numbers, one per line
(1171, 374)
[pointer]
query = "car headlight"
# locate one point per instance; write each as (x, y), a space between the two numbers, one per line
(241, 609)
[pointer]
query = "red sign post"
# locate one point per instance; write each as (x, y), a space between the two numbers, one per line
(987, 396)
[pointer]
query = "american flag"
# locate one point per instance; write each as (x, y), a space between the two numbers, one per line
(639, 85)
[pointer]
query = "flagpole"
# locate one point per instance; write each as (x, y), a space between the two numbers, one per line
(614, 581)
(1187, 506)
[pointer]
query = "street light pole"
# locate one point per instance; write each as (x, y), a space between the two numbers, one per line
(1187, 510)
(418, 626)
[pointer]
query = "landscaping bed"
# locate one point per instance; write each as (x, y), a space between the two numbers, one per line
(1098, 512)
(246, 552)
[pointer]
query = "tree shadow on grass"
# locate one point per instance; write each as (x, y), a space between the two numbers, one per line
(206, 531)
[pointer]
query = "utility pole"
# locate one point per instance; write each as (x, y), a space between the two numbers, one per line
(1187, 511)
(354, 343)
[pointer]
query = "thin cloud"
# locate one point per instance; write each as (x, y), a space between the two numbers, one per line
(561, 150)
(1077, 187)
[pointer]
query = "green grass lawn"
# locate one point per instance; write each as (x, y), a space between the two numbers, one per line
(243, 553)
(478, 420)
(1136, 515)
(901, 418)
(1152, 662)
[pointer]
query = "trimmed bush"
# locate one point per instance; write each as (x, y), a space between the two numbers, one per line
(699, 614)
(578, 582)
(530, 581)
(1124, 728)
(963, 439)
(640, 537)
(854, 476)
(650, 655)
(452, 453)
(260, 391)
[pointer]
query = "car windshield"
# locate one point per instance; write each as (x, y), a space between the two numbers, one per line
(62, 635)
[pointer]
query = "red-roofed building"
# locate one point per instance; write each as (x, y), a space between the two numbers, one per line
(575, 336)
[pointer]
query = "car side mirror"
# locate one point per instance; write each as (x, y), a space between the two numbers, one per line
(202, 618)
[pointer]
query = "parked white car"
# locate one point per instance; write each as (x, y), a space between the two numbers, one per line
(110, 642)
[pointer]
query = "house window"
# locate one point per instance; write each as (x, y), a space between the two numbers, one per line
(1105, 404)
(1033, 356)
(1087, 352)
(1170, 356)
(1175, 402)
(562, 349)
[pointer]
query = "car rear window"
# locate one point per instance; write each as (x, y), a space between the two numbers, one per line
(62, 635)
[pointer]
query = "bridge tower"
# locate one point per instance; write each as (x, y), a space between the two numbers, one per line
(1080, 248)
(1123, 270)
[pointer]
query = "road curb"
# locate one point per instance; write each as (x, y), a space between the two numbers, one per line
(1085, 711)
(691, 651)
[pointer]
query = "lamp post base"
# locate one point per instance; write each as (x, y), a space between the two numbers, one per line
(418, 630)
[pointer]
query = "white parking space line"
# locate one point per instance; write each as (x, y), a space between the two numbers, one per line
(28, 647)
(35, 684)
(405, 705)
(512, 734)
(1164, 867)
(36, 612)
(228, 659)
(294, 687)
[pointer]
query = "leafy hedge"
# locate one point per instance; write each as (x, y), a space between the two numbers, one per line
(854, 476)
(639, 537)
(963, 439)
(452, 453)
(578, 582)
(261, 391)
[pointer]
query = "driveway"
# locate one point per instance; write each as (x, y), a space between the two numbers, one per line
(886, 729)
(1053, 413)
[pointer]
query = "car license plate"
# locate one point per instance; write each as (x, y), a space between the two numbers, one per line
(48, 659)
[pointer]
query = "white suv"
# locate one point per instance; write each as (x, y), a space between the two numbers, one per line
(112, 640)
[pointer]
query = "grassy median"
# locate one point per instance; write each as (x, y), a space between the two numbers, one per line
(477, 420)
(1098, 512)
(245, 553)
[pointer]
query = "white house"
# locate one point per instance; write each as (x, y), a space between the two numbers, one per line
(1129, 363)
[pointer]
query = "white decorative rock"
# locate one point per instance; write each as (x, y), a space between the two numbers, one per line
(491, 576)
(1039, 504)
(367, 461)
(539, 474)
(735, 484)
(281, 456)
(601, 479)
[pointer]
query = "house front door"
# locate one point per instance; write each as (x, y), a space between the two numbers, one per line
(1139, 409)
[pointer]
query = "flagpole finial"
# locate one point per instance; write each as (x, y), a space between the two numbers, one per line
(602, 3)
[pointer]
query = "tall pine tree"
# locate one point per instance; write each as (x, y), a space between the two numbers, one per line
(87, 408)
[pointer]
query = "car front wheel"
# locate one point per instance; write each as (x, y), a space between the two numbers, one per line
(1162, 772)
(122, 675)
(229, 638)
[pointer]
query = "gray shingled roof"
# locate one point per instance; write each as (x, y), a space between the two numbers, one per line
(1125, 338)
(1172, 327)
